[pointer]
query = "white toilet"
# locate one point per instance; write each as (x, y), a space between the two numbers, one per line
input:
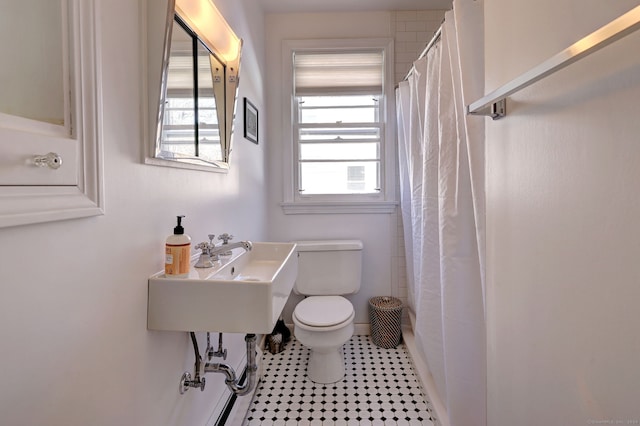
(323, 321)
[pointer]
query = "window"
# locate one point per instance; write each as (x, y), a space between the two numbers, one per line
(335, 135)
(339, 127)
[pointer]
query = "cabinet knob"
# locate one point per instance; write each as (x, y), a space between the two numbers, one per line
(51, 160)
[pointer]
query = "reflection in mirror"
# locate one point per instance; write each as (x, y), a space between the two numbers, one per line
(210, 94)
(190, 130)
(200, 80)
(29, 89)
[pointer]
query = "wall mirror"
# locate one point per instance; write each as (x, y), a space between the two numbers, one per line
(198, 88)
(50, 123)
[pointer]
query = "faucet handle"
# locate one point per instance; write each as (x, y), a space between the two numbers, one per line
(225, 238)
(205, 260)
(211, 237)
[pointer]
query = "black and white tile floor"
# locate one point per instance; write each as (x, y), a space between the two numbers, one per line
(380, 388)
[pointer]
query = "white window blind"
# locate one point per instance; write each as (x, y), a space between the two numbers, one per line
(334, 72)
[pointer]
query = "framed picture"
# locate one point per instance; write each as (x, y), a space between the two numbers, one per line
(250, 121)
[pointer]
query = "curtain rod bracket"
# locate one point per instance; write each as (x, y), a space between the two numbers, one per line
(496, 110)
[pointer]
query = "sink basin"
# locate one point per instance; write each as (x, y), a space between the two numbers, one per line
(242, 293)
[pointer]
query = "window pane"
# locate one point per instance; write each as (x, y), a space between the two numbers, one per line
(346, 100)
(338, 109)
(339, 178)
(339, 151)
(338, 133)
(207, 110)
(206, 100)
(209, 147)
(338, 115)
(356, 178)
(178, 128)
(178, 111)
(178, 122)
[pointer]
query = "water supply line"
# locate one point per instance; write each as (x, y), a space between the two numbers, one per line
(231, 380)
(221, 352)
(198, 382)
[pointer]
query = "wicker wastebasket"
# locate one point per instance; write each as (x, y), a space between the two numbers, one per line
(385, 316)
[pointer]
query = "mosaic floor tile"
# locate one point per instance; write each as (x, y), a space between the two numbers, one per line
(380, 388)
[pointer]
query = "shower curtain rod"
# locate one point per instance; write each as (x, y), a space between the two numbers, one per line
(494, 104)
(434, 39)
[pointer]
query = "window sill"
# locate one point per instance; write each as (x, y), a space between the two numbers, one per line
(211, 167)
(370, 207)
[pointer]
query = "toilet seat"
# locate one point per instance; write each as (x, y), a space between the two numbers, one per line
(324, 311)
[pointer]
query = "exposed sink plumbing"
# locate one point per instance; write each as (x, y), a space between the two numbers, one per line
(221, 352)
(231, 380)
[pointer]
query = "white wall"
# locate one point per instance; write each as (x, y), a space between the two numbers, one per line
(562, 213)
(74, 346)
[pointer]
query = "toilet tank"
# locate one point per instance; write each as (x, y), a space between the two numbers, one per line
(328, 267)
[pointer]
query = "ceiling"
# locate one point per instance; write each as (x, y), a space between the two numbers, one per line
(285, 6)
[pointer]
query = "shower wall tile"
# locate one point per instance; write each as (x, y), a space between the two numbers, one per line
(431, 15)
(406, 36)
(413, 30)
(395, 273)
(395, 250)
(417, 26)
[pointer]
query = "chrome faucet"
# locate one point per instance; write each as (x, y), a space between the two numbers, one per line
(225, 240)
(214, 252)
(205, 260)
(211, 253)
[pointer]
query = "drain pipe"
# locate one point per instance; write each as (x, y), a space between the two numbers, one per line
(230, 375)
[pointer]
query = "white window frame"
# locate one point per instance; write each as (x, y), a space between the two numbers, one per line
(381, 202)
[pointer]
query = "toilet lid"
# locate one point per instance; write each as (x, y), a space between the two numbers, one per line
(323, 311)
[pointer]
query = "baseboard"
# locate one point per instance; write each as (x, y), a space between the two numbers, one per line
(362, 329)
(428, 384)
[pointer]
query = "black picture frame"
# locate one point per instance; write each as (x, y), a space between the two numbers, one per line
(250, 121)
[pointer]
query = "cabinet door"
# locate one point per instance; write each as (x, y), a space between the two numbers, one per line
(50, 123)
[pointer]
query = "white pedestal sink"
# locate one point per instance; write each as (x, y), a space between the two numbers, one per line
(243, 293)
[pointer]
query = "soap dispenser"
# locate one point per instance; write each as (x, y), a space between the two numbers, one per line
(177, 253)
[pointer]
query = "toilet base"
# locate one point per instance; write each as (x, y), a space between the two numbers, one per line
(326, 365)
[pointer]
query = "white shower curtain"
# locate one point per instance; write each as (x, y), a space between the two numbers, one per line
(441, 156)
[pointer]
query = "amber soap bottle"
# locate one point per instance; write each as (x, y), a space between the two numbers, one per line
(177, 253)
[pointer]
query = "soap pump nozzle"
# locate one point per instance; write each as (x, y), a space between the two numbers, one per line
(179, 230)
